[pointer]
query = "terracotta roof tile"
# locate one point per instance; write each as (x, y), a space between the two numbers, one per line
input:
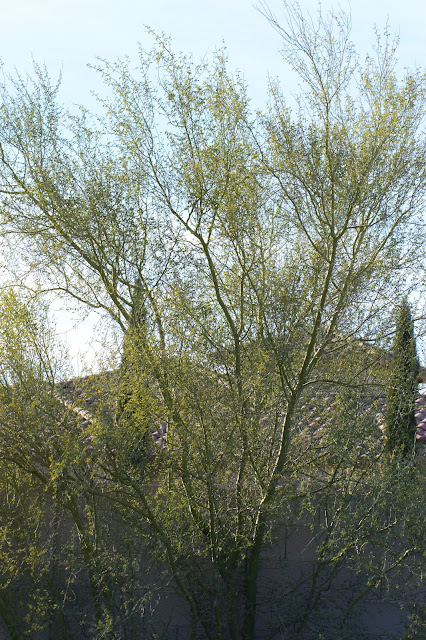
(310, 420)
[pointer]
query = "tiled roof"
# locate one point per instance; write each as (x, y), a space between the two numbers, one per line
(314, 424)
(85, 396)
(420, 416)
(88, 393)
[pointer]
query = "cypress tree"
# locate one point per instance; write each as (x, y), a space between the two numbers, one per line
(130, 361)
(130, 414)
(400, 405)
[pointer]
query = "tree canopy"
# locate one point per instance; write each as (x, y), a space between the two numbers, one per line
(249, 260)
(400, 420)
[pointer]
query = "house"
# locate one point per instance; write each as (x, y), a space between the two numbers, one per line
(303, 590)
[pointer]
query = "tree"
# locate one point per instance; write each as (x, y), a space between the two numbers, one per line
(263, 247)
(400, 420)
(55, 536)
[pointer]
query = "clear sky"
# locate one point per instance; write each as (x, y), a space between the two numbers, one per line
(69, 35)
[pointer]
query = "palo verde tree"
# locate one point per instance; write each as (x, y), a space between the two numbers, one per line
(404, 371)
(262, 246)
(48, 486)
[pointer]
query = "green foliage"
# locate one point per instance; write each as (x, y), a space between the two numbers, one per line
(55, 533)
(248, 259)
(400, 420)
(417, 627)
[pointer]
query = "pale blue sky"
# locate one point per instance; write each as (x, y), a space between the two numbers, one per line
(69, 35)
(72, 34)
